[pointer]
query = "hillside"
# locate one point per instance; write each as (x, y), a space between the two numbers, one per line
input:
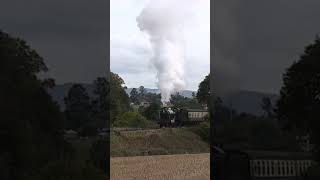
(247, 101)
(156, 142)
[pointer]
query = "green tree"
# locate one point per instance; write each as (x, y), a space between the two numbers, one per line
(30, 122)
(203, 94)
(134, 96)
(152, 112)
(267, 107)
(152, 98)
(184, 102)
(78, 107)
(100, 104)
(194, 95)
(298, 108)
(119, 99)
(298, 94)
(142, 91)
(221, 112)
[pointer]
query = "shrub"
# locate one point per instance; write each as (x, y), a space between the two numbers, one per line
(133, 119)
(203, 130)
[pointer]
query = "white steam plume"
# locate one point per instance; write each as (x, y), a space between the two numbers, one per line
(164, 21)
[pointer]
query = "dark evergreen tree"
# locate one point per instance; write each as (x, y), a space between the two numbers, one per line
(203, 93)
(119, 99)
(134, 96)
(78, 107)
(184, 102)
(298, 108)
(194, 95)
(267, 107)
(100, 104)
(152, 111)
(142, 90)
(30, 123)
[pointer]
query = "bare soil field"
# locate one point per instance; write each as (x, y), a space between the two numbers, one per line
(161, 167)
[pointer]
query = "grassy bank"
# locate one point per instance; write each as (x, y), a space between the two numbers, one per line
(156, 142)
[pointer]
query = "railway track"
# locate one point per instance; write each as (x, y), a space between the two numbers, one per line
(140, 129)
(132, 129)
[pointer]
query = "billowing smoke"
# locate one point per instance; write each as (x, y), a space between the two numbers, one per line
(164, 22)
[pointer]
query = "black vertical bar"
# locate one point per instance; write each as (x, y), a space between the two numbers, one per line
(211, 101)
(107, 159)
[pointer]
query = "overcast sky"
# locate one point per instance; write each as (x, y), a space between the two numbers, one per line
(71, 35)
(255, 40)
(131, 51)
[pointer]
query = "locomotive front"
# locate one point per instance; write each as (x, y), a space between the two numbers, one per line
(170, 116)
(167, 117)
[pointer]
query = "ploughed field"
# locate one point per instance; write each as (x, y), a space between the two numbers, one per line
(158, 167)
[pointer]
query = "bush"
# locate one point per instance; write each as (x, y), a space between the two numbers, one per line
(151, 112)
(133, 119)
(203, 130)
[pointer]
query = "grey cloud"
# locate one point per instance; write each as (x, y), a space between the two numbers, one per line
(262, 38)
(71, 35)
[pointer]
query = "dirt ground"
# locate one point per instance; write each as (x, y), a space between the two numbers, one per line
(161, 167)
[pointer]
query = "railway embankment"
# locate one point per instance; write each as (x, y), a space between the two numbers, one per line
(164, 141)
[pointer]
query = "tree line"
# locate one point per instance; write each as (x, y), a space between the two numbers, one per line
(129, 110)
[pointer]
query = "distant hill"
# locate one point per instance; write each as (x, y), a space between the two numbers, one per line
(247, 101)
(241, 101)
(185, 93)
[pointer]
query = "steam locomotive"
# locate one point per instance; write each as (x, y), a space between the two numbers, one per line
(177, 117)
